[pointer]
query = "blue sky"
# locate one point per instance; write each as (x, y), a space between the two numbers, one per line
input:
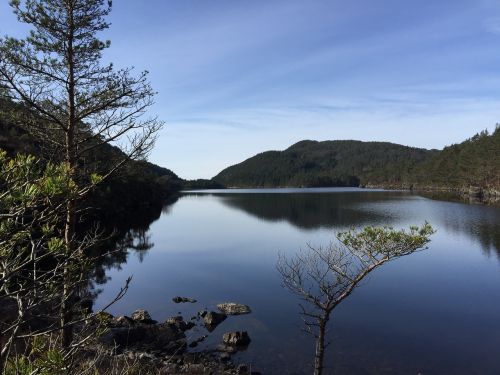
(238, 77)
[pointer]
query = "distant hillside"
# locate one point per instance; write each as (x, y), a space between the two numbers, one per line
(328, 163)
(139, 184)
(472, 166)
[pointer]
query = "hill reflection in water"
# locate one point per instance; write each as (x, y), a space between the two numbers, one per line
(310, 211)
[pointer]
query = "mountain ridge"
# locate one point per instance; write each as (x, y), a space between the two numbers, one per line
(310, 163)
(471, 167)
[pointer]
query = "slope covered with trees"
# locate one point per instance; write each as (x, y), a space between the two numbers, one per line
(137, 185)
(328, 163)
(473, 165)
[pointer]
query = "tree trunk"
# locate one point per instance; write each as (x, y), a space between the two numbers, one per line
(320, 347)
(67, 295)
(70, 224)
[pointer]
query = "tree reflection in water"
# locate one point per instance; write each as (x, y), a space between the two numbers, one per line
(128, 236)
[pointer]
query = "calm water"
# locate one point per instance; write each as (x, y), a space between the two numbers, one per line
(434, 312)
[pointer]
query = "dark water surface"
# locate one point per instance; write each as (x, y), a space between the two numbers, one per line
(434, 312)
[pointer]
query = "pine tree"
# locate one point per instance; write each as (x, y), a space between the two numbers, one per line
(75, 103)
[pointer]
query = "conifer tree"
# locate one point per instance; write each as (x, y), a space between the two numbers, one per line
(76, 104)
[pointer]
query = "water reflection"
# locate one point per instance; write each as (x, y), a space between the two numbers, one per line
(138, 240)
(419, 314)
(480, 223)
(128, 236)
(312, 211)
(347, 209)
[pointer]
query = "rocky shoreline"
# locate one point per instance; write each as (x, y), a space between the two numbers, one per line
(166, 348)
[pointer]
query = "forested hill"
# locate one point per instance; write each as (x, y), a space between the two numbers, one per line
(328, 163)
(472, 164)
(139, 184)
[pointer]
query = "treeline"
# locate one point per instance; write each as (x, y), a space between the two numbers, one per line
(328, 163)
(473, 165)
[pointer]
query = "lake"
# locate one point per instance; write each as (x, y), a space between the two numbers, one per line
(436, 311)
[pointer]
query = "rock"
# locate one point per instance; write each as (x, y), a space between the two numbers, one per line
(225, 356)
(170, 368)
(237, 338)
(146, 356)
(174, 320)
(197, 341)
(225, 348)
(146, 337)
(202, 338)
(231, 308)
(183, 300)
(194, 368)
(142, 316)
(212, 319)
(202, 313)
(179, 323)
(122, 321)
(177, 346)
(190, 358)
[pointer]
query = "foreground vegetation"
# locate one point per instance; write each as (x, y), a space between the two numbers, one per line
(72, 111)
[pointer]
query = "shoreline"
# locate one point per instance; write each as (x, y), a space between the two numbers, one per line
(169, 347)
(471, 195)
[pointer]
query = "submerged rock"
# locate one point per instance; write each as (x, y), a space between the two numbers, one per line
(179, 323)
(183, 300)
(231, 308)
(236, 339)
(226, 348)
(212, 319)
(195, 343)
